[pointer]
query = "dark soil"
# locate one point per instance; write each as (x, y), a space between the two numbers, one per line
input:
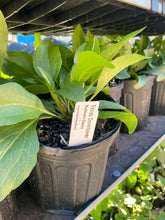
(54, 133)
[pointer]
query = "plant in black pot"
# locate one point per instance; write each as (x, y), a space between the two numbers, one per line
(156, 66)
(137, 89)
(48, 91)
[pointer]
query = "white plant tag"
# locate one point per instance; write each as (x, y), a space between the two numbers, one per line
(83, 125)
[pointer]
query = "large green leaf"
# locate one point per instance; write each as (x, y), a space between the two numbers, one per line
(18, 154)
(3, 36)
(67, 57)
(111, 51)
(89, 63)
(72, 91)
(48, 57)
(19, 64)
(127, 118)
(18, 105)
(78, 38)
(84, 47)
(120, 63)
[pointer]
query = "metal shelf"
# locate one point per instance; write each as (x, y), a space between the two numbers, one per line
(102, 17)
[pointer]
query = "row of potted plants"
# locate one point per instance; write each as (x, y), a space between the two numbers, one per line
(37, 103)
(141, 87)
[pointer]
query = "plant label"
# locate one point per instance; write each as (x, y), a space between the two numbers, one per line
(83, 123)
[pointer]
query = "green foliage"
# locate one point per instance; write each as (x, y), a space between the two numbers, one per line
(18, 154)
(68, 76)
(37, 41)
(135, 198)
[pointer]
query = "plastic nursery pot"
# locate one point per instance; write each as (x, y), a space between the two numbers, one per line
(115, 93)
(157, 105)
(8, 208)
(65, 179)
(137, 100)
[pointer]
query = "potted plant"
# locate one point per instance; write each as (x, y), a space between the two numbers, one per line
(137, 89)
(116, 84)
(42, 94)
(157, 67)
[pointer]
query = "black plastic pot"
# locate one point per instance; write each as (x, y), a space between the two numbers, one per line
(66, 179)
(137, 100)
(115, 93)
(157, 105)
(8, 208)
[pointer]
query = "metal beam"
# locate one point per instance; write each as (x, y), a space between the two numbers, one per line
(14, 7)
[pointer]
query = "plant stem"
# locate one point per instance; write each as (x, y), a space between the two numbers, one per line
(59, 104)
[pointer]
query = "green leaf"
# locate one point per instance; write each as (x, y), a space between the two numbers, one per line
(126, 49)
(161, 215)
(149, 52)
(67, 57)
(78, 38)
(111, 51)
(131, 179)
(120, 63)
(110, 105)
(147, 204)
(89, 63)
(3, 81)
(141, 80)
(89, 38)
(160, 77)
(72, 91)
(37, 89)
(139, 66)
(37, 41)
(119, 216)
(123, 75)
(84, 47)
(63, 78)
(3, 36)
(161, 179)
(47, 79)
(155, 71)
(128, 119)
(140, 217)
(19, 64)
(48, 57)
(18, 105)
(106, 90)
(96, 47)
(18, 154)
